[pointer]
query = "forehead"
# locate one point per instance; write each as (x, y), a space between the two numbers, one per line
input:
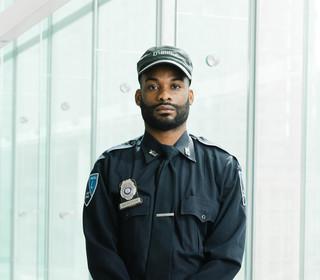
(163, 69)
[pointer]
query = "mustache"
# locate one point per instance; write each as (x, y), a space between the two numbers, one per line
(164, 103)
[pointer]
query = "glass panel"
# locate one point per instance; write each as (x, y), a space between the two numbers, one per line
(26, 161)
(22, 110)
(218, 47)
(70, 138)
(220, 69)
(6, 160)
(120, 47)
(4, 4)
(312, 232)
(278, 139)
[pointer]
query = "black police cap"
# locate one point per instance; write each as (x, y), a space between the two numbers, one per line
(165, 54)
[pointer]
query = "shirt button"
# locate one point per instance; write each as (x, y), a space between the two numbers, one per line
(203, 217)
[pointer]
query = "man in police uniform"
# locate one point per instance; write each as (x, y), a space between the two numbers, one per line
(167, 205)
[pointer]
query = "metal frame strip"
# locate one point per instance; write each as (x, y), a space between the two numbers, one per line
(304, 135)
(250, 164)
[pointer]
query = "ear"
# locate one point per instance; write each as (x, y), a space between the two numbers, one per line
(190, 96)
(138, 97)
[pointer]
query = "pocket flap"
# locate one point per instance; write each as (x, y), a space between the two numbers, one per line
(203, 208)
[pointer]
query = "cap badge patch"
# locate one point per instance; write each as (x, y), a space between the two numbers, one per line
(91, 188)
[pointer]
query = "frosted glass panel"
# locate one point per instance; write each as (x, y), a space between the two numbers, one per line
(118, 116)
(6, 161)
(279, 86)
(70, 138)
(26, 163)
(45, 101)
(215, 34)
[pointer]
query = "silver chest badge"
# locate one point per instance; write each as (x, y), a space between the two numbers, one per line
(129, 194)
(128, 189)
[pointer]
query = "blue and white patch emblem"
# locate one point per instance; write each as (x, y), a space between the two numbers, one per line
(91, 188)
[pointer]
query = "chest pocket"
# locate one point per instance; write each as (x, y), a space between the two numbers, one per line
(134, 221)
(136, 210)
(202, 208)
(133, 234)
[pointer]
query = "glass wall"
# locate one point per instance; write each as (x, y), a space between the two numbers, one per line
(51, 79)
(67, 94)
(311, 214)
(6, 160)
(279, 99)
(118, 50)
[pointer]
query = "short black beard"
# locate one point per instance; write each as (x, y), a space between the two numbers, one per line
(164, 125)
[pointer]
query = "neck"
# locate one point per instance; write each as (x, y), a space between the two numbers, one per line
(169, 137)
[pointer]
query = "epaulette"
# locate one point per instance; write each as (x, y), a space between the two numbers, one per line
(203, 140)
(129, 144)
(207, 142)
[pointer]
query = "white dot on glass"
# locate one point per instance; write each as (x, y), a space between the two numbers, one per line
(65, 106)
(23, 120)
(124, 87)
(211, 60)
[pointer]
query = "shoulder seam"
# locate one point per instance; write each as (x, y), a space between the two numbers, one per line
(129, 144)
(206, 142)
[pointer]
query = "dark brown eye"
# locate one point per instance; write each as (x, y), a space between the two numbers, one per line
(176, 86)
(152, 87)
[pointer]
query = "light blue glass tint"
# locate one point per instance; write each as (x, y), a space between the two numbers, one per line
(7, 148)
(70, 61)
(279, 95)
(118, 52)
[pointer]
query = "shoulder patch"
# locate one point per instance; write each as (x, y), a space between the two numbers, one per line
(91, 188)
(130, 144)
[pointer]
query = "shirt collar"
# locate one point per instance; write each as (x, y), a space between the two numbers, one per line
(152, 148)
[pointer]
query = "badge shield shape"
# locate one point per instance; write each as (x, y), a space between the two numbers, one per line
(129, 194)
(91, 188)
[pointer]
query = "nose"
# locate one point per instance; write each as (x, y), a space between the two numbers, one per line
(164, 95)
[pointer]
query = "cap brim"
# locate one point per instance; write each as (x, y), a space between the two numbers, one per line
(169, 62)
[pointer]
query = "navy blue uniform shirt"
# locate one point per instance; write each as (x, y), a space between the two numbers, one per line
(182, 213)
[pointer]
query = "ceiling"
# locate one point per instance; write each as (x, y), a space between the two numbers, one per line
(21, 15)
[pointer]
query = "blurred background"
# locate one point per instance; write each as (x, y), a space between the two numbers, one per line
(67, 84)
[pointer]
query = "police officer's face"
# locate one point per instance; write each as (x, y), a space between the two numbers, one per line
(164, 97)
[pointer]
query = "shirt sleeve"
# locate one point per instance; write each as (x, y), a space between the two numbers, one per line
(101, 229)
(224, 245)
